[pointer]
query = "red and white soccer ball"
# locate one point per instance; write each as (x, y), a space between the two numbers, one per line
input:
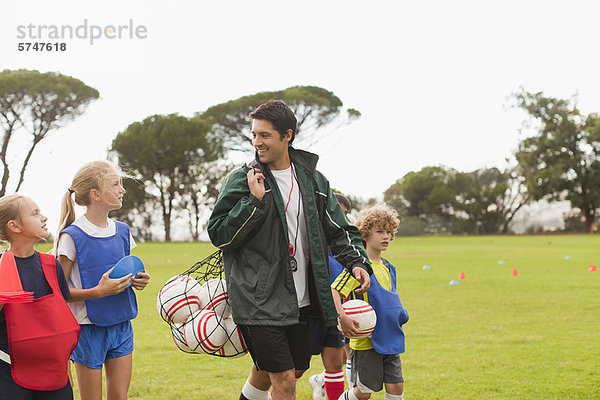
(213, 296)
(234, 346)
(362, 312)
(204, 332)
(178, 299)
(179, 338)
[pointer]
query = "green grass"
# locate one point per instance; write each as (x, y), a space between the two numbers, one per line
(493, 336)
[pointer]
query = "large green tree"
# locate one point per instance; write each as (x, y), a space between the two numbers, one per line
(513, 199)
(163, 151)
(427, 191)
(443, 199)
(490, 198)
(561, 160)
(201, 189)
(428, 194)
(34, 104)
(314, 107)
(138, 210)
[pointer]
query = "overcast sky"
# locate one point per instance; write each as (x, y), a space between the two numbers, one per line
(432, 79)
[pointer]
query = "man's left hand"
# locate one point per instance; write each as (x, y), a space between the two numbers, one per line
(363, 278)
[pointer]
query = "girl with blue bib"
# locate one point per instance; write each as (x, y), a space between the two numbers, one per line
(376, 359)
(88, 248)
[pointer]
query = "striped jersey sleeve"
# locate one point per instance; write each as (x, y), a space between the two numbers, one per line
(345, 283)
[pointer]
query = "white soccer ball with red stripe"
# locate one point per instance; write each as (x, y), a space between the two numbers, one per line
(178, 299)
(213, 296)
(234, 346)
(204, 332)
(179, 338)
(362, 312)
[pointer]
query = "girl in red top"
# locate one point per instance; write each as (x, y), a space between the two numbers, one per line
(36, 338)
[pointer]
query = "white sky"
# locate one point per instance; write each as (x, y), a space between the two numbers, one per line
(432, 79)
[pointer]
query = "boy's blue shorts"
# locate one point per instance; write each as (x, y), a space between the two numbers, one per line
(100, 343)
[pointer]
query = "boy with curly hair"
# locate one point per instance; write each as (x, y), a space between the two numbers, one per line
(376, 359)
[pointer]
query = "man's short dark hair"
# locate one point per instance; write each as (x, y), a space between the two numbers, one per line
(343, 201)
(279, 114)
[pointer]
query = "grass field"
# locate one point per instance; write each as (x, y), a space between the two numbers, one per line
(493, 336)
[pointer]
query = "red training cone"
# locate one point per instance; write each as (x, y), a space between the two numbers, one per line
(592, 268)
(9, 276)
(514, 272)
(461, 275)
(11, 289)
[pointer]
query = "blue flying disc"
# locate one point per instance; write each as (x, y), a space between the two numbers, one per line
(127, 265)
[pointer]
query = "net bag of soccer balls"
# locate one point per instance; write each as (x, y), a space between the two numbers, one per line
(196, 306)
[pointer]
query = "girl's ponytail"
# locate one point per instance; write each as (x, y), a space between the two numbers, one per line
(67, 214)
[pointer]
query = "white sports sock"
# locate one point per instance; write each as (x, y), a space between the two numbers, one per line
(394, 396)
(348, 395)
(253, 393)
(348, 373)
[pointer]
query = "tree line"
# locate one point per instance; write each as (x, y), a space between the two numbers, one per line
(181, 161)
(442, 200)
(177, 163)
(559, 160)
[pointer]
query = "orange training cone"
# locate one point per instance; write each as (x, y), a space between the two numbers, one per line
(514, 272)
(11, 290)
(461, 275)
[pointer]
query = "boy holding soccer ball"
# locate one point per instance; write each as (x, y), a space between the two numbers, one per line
(375, 359)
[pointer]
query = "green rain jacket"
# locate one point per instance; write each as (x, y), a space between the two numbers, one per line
(254, 238)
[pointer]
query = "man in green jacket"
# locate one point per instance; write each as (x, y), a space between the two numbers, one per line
(274, 220)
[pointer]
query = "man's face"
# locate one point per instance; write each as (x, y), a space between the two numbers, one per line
(271, 148)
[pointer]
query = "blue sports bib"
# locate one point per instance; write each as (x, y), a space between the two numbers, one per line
(388, 337)
(95, 256)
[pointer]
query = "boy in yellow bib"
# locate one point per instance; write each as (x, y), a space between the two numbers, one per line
(375, 360)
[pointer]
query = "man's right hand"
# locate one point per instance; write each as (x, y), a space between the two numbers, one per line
(256, 183)
(363, 278)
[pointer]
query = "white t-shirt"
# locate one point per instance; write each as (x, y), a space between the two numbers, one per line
(297, 234)
(66, 247)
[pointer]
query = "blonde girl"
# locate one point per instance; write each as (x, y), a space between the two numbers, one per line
(88, 248)
(36, 338)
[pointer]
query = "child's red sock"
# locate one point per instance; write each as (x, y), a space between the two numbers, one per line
(334, 384)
